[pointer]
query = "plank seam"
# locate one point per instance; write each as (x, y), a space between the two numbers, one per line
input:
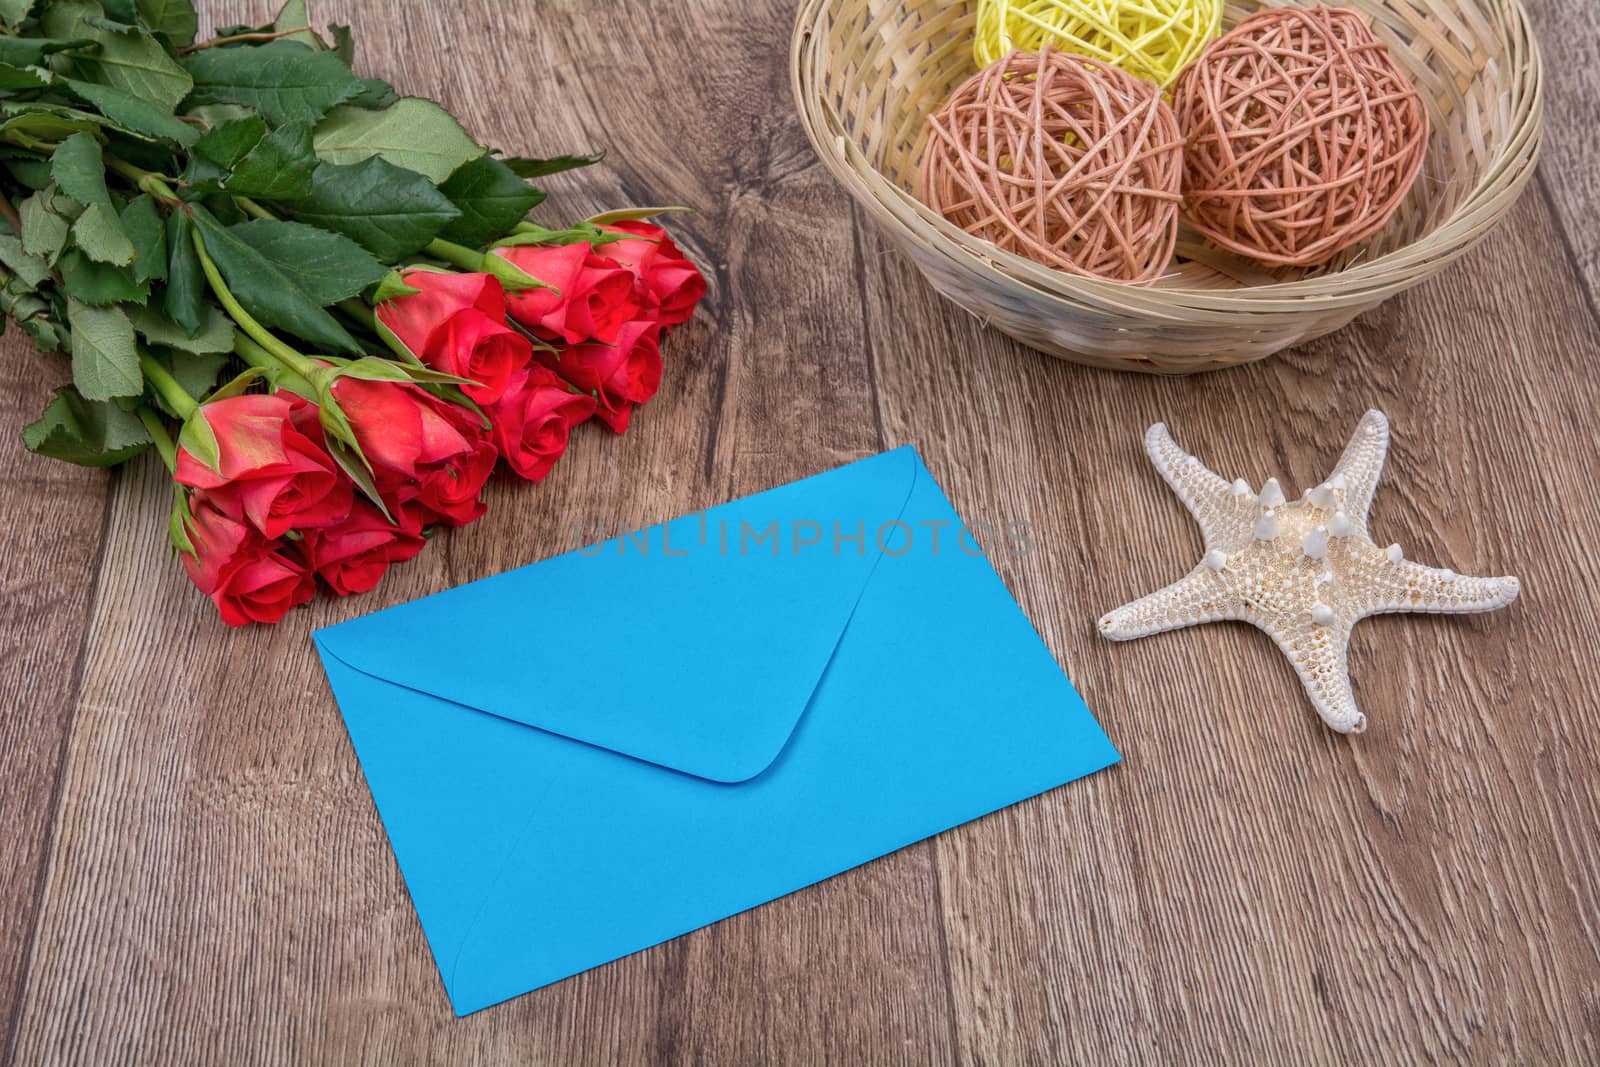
(860, 265)
(1569, 251)
(57, 788)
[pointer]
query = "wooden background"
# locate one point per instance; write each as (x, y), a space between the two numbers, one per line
(193, 872)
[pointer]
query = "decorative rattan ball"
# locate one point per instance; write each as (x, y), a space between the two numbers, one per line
(1061, 159)
(1152, 39)
(1303, 137)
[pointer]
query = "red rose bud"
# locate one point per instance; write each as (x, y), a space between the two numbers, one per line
(591, 296)
(674, 285)
(430, 458)
(620, 376)
(352, 556)
(532, 422)
(248, 577)
(457, 324)
(273, 470)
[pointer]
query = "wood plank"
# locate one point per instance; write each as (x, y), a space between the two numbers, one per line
(1569, 169)
(219, 858)
(55, 512)
(1247, 883)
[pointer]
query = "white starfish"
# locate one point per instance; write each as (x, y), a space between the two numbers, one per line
(1305, 573)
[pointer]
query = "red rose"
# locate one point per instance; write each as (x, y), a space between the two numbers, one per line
(273, 470)
(457, 324)
(532, 421)
(430, 458)
(619, 376)
(248, 577)
(674, 285)
(352, 556)
(591, 299)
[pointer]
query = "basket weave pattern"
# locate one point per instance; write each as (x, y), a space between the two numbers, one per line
(868, 73)
(1099, 143)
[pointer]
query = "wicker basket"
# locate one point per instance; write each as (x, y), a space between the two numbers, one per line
(867, 73)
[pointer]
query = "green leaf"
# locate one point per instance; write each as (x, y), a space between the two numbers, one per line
(79, 170)
(285, 273)
(98, 232)
(292, 15)
(133, 113)
(326, 266)
(344, 45)
(376, 94)
(105, 358)
(87, 432)
(213, 115)
(44, 233)
(214, 336)
(13, 12)
(30, 269)
(185, 297)
(30, 51)
(46, 122)
(390, 212)
(89, 282)
(524, 167)
(173, 18)
(127, 59)
(282, 80)
(16, 80)
(244, 158)
(142, 223)
(492, 200)
(412, 133)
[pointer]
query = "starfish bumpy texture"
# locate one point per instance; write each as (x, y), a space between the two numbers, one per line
(1304, 573)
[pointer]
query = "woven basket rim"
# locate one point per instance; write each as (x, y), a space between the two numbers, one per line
(1511, 167)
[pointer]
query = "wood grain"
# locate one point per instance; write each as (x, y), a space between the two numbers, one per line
(216, 886)
(56, 513)
(1570, 176)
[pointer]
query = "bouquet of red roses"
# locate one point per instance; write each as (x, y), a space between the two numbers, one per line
(396, 328)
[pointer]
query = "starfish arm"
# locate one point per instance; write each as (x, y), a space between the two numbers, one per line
(1319, 654)
(1408, 586)
(1200, 596)
(1362, 465)
(1222, 516)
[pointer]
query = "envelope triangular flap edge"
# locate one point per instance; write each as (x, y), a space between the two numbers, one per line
(695, 645)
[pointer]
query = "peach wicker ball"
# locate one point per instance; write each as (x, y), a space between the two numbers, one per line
(1303, 137)
(1062, 159)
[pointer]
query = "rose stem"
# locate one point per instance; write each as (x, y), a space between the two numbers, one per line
(182, 404)
(154, 184)
(258, 357)
(163, 440)
(240, 38)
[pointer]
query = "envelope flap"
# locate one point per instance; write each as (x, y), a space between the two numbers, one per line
(695, 644)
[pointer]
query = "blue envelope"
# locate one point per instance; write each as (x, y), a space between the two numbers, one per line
(591, 755)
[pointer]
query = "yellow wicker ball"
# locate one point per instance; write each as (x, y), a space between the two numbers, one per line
(1153, 39)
